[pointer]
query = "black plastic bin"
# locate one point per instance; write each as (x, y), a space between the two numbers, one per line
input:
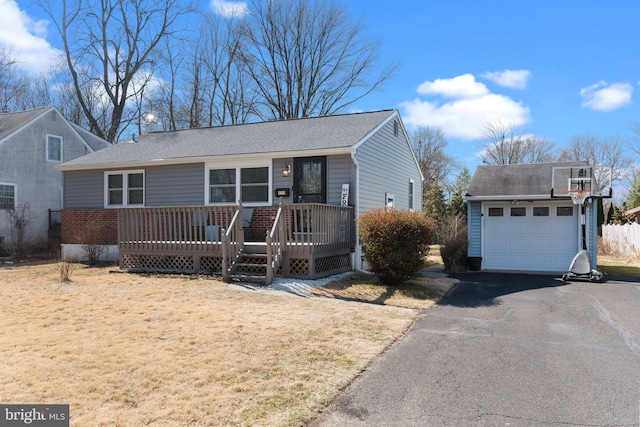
(474, 263)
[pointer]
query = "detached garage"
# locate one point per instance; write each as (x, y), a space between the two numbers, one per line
(516, 225)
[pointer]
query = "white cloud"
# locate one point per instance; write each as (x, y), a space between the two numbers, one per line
(229, 9)
(468, 113)
(603, 97)
(25, 38)
(514, 79)
(464, 86)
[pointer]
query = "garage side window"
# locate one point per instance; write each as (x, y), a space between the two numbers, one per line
(518, 211)
(564, 211)
(541, 211)
(496, 211)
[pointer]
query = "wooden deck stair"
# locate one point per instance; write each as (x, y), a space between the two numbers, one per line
(252, 266)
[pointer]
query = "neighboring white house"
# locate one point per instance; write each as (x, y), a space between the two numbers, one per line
(32, 144)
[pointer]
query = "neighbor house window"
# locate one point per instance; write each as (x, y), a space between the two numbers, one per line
(124, 188)
(54, 148)
(541, 211)
(7, 196)
(249, 184)
(564, 211)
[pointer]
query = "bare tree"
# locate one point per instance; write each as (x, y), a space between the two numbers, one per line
(429, 144)
(107, 43)
(307, 58)
(634, 145)
(507, 145)
(599, 151)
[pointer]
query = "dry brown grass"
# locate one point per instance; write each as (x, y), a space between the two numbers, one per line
(130, 350)
(418, 293)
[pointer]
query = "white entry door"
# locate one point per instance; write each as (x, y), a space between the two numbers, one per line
(530, 236)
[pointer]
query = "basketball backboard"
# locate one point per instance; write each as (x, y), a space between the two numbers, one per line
(595, 179)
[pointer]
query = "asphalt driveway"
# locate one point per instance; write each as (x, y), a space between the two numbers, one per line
(508, 350)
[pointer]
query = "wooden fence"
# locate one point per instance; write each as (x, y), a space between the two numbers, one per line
(622, 238)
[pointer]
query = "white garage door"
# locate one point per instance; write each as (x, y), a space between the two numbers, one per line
(530, 236)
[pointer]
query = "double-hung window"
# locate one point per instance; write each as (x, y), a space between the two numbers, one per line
(250, 184)
(7, 196)
(54, 148)
(124, 188)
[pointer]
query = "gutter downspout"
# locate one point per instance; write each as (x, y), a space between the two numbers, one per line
(356, 256)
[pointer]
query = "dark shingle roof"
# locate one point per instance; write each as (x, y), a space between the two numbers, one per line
(11, 122)
(514, 180)
(319, 133)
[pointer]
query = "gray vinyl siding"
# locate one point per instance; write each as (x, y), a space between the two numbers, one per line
(592, 231)
(280, 181)
(84, 189)
(386, 165)
(175, 185)
(474, 228)
(181, 185)
(339, 171)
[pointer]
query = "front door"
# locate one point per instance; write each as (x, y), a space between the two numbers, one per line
(310, 180)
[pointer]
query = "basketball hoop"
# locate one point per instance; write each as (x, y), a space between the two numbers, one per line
(579, 196)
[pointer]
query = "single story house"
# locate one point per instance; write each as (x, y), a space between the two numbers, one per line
(521, 217)
(232, 198)
(32, 144)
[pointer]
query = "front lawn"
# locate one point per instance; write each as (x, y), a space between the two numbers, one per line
(131, 350)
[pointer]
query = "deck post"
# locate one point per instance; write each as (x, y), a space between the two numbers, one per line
(225, 256)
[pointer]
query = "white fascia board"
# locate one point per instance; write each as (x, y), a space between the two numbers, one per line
(206, 159)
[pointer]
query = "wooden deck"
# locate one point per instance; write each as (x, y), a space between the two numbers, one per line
(305, 240)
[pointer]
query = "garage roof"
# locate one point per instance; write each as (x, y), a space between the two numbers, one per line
(496, 182)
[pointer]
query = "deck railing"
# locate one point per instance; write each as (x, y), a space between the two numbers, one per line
(275, 245)
(299, 231)
(232, 244)
(314, 227)
(173, 229)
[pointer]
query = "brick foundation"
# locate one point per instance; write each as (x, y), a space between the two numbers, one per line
(96, 226)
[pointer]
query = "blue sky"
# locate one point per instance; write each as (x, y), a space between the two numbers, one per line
(556, 68)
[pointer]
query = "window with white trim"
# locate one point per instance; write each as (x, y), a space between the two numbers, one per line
(54, 148)
(124, 188)
(251, 184)
(411, 182)
(7, 196)
(222, 186)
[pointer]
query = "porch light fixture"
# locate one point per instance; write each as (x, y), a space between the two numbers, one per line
(286, 170)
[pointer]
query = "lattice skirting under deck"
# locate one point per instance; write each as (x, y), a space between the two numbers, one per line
(315, 268)
(171, 263)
